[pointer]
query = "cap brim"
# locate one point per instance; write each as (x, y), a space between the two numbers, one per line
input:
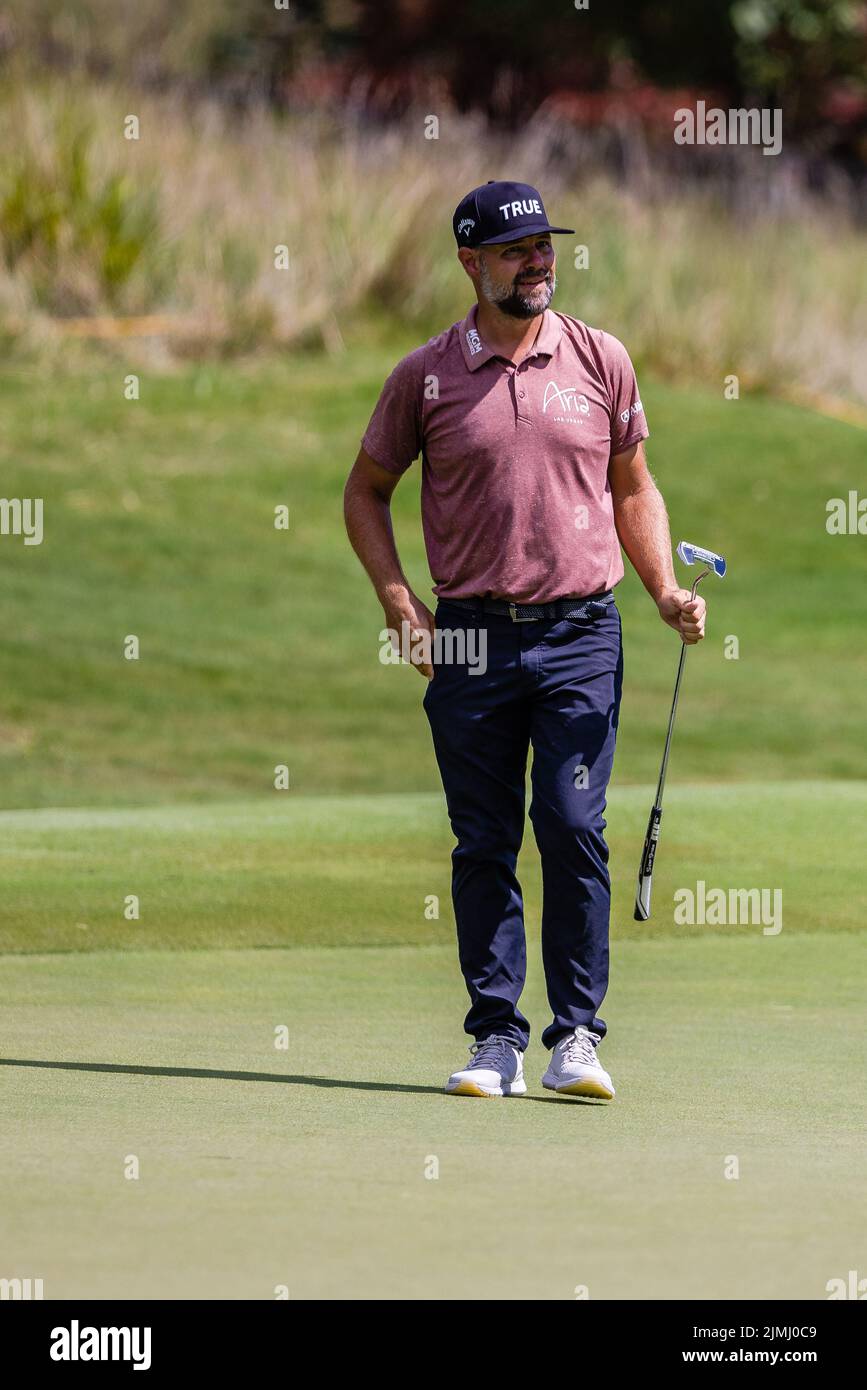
(525, 232)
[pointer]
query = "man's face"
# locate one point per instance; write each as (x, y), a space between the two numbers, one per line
(518, 276)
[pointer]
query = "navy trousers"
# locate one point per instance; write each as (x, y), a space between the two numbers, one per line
(556, 686)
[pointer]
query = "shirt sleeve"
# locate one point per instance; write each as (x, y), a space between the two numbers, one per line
(393, 438)
(628, 423)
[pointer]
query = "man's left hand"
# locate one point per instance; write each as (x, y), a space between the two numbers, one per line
(684, 614)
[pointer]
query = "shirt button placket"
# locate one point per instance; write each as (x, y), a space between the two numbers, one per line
(512, 372)
(522, 405)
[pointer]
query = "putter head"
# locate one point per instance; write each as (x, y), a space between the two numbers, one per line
(696, 555)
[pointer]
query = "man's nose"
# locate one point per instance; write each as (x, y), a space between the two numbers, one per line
(536, 263)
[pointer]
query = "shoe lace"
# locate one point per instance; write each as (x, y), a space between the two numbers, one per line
(488, 1050)
(580, 1046)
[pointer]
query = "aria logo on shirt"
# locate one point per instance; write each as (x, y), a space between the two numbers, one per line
(568, 399)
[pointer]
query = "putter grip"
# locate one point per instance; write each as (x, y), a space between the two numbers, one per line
(645, 871)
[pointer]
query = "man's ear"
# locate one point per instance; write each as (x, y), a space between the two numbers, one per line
(469, 259)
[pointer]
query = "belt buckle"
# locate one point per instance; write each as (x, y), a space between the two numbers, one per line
(513, 614)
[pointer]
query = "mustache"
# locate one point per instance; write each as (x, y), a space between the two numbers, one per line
(535, 279)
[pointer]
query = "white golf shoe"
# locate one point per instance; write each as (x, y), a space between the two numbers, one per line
(574, 1069)
(496, 1069)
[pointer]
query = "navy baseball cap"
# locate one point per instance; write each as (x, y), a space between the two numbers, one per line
(500, 211)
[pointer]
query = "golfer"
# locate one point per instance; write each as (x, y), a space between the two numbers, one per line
(530, 428)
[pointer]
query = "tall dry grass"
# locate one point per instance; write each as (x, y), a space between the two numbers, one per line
(187, 219)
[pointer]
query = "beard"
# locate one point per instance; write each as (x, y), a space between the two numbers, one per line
(516, 300)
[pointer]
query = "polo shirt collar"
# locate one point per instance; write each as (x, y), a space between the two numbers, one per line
(476, 351)
(549, 334)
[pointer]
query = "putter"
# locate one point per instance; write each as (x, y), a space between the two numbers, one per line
(690, 555)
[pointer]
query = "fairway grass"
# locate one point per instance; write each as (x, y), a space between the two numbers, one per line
(359, 870)
(260, 646)
(306, 1167)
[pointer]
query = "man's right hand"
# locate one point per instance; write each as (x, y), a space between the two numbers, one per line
(402, 606)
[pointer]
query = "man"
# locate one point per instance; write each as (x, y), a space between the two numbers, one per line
(530, 428)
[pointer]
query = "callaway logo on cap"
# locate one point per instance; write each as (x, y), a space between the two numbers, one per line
(501, 211)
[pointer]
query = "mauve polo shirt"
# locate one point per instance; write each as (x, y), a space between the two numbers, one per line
(515, 497)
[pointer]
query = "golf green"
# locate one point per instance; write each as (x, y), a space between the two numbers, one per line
(335, 1166)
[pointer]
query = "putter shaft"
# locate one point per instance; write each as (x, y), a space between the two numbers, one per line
(651, 839)
(664, 768)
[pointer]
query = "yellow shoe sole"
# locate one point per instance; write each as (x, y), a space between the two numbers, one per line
(469, 1088)
(593, 1090)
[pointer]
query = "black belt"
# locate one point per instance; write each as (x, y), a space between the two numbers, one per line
(592, 607)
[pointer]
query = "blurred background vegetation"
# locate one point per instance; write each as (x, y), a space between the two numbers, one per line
(307, 126)
(504, 58)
